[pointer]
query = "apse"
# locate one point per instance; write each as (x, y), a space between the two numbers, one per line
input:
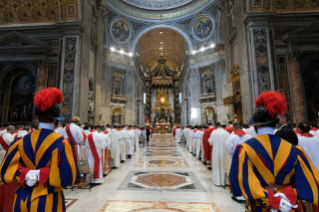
(162, 42)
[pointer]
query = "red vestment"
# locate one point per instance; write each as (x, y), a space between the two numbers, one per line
(229, 129)
(206, 145)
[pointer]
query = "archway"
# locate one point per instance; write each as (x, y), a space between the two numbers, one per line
(164, 26)
(20, 98)
(162, 42)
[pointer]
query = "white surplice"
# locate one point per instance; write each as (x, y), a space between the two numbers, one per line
(178, 135)
(197, 141)
(85, 151)
(22, 133)
(311, 147)
(105, 152)
(251, 131)
(115, 146)
(220, 158)
(130, 141)
(121, 138)
(101, 143)
(194, 139)
(137, 140)
(8, 138)
(190, 140)
(77, 134)
(233, 140)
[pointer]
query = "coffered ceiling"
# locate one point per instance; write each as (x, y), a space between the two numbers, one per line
(162, 42)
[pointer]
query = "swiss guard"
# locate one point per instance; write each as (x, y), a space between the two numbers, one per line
(268, 171)
(43, 162)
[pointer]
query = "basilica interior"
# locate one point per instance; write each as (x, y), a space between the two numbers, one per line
(160, 63)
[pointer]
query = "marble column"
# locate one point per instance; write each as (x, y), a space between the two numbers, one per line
(176, 104)
(148, 101)
(300, 110)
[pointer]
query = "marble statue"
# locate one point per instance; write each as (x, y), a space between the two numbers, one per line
(231, 14)
(210, 116)
(148, 72)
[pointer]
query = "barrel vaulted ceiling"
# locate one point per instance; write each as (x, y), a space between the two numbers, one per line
(162, 42)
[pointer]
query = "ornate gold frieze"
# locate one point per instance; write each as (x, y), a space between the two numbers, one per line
(283, 6)
(29, 11)
(37, 11)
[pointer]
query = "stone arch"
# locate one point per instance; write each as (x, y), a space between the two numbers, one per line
(178, 29)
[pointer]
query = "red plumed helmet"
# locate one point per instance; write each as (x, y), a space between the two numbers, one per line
(46, 98)
(273, 101)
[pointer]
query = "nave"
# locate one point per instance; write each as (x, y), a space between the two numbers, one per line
(161, 177)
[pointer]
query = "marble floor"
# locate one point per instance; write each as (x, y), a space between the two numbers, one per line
(161, 177)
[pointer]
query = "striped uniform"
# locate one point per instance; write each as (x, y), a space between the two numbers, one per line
(51, 153)
(268, 160)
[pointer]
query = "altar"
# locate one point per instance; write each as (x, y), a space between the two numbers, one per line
(162, 97)
(163, 128)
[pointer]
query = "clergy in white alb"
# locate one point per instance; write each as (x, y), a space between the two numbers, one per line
(220, 158)
(115, 146)
(96, 143)
(121, 139)
(106, 151)
(137, 140)
(75, 134)
(194, 139)
(251, 131)
(309, 143)
(24, 131)
(85, 151)
(198, 140)
(178, 134)
(236, 138)
(129, 138)
(5, 141)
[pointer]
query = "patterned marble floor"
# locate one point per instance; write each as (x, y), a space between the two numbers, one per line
(143, 206)
(162, 163)
(161, 177)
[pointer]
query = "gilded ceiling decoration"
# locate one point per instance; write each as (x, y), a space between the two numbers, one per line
(162, 42)
(282, 6)
(37, 11)
(158, 4)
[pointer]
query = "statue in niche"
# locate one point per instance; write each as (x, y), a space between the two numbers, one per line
(208, 86)
(92, 106)
(148, 72)
(117, 87)
(231, 14)
(91, 101)
(176, 71)
(210, 116)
